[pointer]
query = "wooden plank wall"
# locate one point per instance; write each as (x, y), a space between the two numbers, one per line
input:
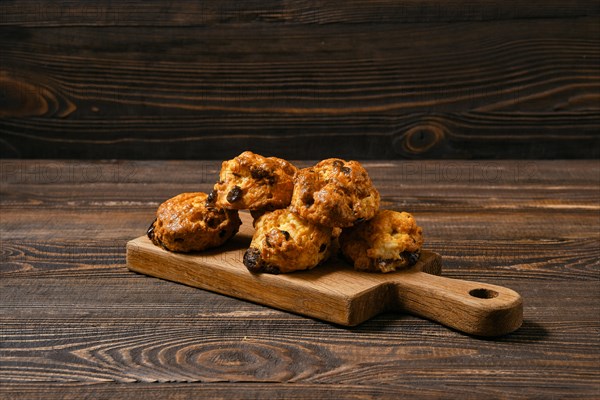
(300, 79)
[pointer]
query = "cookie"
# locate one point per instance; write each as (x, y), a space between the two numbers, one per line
(389, 241)
(253, 182)
(184, 223)
(335, 193)
(284, 242)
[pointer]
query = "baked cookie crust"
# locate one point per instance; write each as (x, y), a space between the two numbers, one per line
(284, 242)
(389, 241)
(185, 223)
(253, 182)
(335, 193)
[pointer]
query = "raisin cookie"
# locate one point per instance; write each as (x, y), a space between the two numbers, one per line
(390, 241)
(253, 182)
(284, 242)
(335, 193)
(184, 223)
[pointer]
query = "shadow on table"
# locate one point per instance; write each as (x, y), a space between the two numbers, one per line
(529, 332)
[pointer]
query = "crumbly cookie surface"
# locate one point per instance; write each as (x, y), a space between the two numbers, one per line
(253, 182)
(389, 241)
(335, 193)
(184, 223)
(284, 242)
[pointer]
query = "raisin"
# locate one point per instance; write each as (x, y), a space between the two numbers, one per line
(411, 257)
(259, 173)
(286, 234)
(322, 248)
(253, 260)
(346, 171)
(150, 231)
(337, 163)
(234, 194)
(210, 199)
(359, 220)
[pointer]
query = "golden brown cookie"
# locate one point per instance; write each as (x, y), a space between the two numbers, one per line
(284, 242)
(335, 193)
(389, 241)
(253, 182)
(184, 223)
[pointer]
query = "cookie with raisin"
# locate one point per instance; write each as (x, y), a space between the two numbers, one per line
(253, 182)
(284, 242)
(389, 241)
(185, 223)
(335, 193)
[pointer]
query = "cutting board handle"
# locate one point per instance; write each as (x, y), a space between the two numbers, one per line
(472, 307)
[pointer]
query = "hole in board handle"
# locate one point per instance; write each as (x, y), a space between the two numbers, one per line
(482, 293)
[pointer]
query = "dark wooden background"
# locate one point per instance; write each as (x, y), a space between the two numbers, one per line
(300, 79)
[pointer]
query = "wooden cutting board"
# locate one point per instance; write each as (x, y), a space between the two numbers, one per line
(334, 292)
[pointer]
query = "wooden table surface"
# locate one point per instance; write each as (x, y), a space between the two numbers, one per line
(75, 323)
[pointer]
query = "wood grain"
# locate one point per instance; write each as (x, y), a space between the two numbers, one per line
(306, 79)
(74, 322)
(334, 292)
(41, 13)
(246, 390)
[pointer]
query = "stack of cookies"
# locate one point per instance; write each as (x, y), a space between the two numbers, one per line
(300, 216)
